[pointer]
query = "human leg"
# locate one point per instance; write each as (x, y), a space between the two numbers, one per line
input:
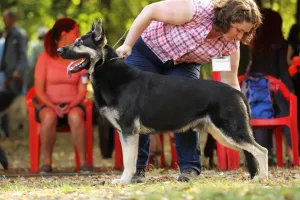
(76, 123)
(48, 120)
(187, 144)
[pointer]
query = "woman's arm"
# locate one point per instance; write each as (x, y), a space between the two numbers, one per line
(80, 95)
(39, 87)
(230, 77)
(40, 78)
(175, 12)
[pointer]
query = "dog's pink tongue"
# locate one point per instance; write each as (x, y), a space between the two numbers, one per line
(71, 66)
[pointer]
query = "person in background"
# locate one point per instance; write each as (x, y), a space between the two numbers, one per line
(39, 47)
(14, 62)
(268, 56)
(174, 38)
(2, 74)
(14, 59)
(61, 97)
(294, 50)
(293, 43)
(36, 51)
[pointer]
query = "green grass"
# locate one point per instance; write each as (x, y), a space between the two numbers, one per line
(161, 184)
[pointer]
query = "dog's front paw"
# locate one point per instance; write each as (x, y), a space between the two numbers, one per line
(120, 181)
(116, 181)
(258, 178)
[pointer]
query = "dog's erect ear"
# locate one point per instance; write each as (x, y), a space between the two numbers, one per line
(92, 26)
(98, 31)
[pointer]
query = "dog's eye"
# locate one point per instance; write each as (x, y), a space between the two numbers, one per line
(78, 42)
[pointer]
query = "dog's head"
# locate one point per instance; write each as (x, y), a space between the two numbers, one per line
(86, 51)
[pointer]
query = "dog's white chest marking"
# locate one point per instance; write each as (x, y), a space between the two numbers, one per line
(112, 115)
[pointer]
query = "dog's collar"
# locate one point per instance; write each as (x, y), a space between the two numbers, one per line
(114, 58)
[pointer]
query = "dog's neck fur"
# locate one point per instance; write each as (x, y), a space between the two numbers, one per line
(110, 74)
(108, 53)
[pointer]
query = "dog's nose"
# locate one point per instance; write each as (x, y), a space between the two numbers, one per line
(60, 51)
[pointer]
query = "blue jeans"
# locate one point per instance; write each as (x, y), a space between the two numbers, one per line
(187, 144)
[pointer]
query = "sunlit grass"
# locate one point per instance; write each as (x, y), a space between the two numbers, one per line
(161, 184)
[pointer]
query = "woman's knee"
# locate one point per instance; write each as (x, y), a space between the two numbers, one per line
(75, 116)
(48, 117)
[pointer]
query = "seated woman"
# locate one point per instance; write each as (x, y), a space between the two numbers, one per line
(61, 97)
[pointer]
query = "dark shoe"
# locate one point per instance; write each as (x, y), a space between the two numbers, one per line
(139, 176)
(86, 168)
(45, 169)
(272, 161)
(187, 174)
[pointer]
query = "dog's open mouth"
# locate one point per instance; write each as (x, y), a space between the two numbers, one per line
(77, 66)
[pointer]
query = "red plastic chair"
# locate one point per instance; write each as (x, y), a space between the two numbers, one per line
(228, 159)
(293, 68)
(278, 123)
(34, 127)
(119, 155)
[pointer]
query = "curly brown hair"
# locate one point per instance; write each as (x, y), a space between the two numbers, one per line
(228, 12)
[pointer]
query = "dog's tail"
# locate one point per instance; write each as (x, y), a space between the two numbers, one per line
(3, 158)
(251, 164)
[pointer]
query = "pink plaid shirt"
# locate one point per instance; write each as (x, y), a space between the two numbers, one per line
(187, 42)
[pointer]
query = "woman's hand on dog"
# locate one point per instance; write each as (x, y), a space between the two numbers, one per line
(124, 51)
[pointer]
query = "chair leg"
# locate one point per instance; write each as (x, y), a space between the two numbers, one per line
(34, 148)
(233, 159)
(77, 160)
(162, 156)
(294, 140)
(222, 157)
(118, 152)
(278, 140)
(174, 162)
(89, 143)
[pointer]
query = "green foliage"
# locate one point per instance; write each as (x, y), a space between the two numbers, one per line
(117, 15)
(287, 10)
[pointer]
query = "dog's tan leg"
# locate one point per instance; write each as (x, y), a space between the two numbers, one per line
(261, 155)
(130, 153)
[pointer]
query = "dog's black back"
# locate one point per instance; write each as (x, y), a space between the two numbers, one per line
(155, 98)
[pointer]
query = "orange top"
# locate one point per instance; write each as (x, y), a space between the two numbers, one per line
(58, 87)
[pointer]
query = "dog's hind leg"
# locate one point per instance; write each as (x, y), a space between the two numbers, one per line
(251, 149)
(129, 144)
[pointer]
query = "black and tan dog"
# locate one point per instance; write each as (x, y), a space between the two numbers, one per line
(137, 102)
